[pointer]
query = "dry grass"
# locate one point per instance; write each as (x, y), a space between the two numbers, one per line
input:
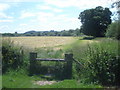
(38, 42)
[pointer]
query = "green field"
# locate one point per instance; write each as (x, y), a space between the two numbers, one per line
(53, 47)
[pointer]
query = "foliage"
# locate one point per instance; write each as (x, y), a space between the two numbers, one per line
(114, 30)
(12, 56)
(70, 32)
(8, 34)
(100, 60)
(103, 66)
(18, 79)
(103, 61)
(95, 21)
(100, 64)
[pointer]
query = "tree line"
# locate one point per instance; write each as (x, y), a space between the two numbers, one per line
(70, 32)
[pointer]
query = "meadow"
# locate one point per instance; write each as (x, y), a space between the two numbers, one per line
(56, 47)
(43, 42)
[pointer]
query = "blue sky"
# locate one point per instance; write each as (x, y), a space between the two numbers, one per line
(43, 15)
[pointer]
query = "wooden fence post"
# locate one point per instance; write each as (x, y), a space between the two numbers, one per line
(33, 57)
(69, 61)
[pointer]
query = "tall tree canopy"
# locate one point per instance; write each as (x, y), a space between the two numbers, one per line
(95, 21)
(114, 29)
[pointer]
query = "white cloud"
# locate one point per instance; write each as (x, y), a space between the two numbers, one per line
(23, 24)
(3, 15)
(6, 20)
(82, 4)
(45, 14)
(25, 14)
(37, 15)
(4, 6)
(50, 21)
(47, 7)
(44, 7)
(57, 10)
(20, 1)
(56, 22)
(4, 28)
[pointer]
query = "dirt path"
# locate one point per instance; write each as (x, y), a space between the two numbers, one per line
(42, 83)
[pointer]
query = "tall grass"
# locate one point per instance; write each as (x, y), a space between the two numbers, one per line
(13, 56)
(100, 62)
(49, 53)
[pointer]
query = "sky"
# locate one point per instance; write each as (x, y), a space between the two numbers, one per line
(44, 15)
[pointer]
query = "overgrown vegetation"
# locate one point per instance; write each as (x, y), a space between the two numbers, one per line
(100, 62)
(12, 56)
(114, 30)
(103, 63)
(98, 58)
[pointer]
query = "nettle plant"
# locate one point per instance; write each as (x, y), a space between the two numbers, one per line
(12, 56)
(103, 63)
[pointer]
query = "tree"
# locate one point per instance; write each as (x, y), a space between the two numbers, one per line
(114, 29)
(95, 21)
(16, 34)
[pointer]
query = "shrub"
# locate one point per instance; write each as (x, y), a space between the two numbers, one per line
(103, 61)
(114, 30)
(12, 56)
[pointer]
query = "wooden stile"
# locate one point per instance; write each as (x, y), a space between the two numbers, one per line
(68, 66)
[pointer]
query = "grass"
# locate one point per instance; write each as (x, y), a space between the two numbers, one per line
(102, 51)
(71, 84)
(45, 49)
(0, 81)
(49, 53)
(18, 80)
(43, 42)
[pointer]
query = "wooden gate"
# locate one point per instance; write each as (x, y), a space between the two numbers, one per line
(68, 59)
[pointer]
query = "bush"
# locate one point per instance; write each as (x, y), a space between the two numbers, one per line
(103, 63)
(12, 56)
(114, 30)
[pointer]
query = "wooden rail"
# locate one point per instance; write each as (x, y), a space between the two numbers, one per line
(68, 65)
(49, 59)
(78, 62)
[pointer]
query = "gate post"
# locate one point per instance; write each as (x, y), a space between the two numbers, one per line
(33, 57)
(68, 70)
